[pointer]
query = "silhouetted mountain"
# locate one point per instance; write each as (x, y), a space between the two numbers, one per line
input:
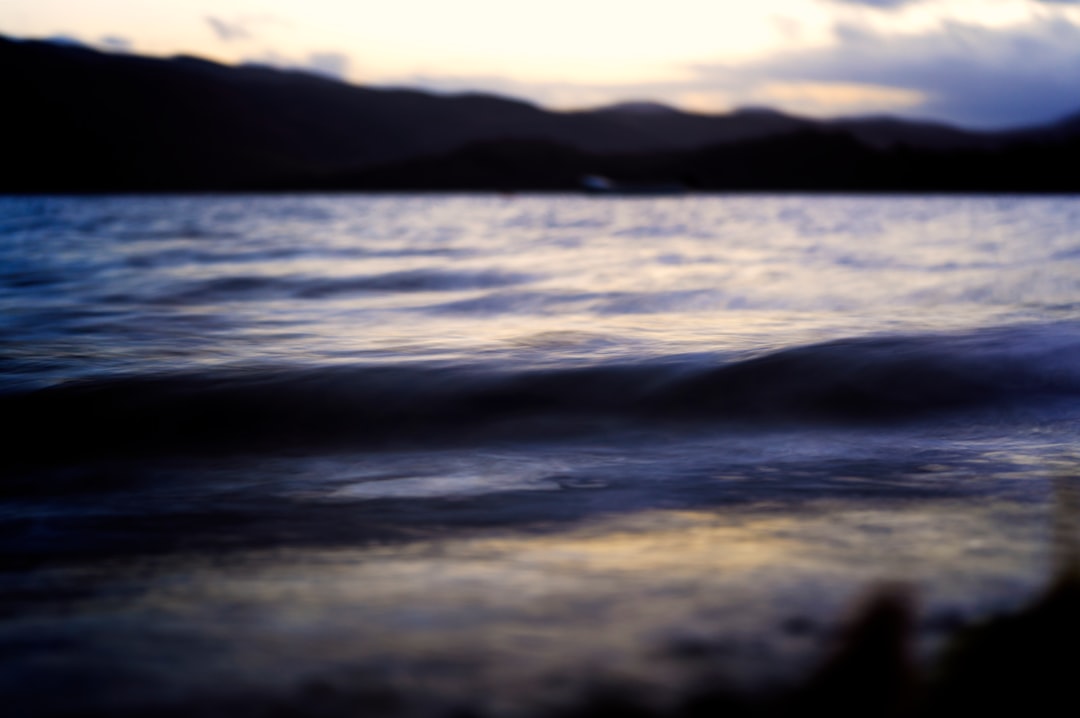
(640, 107)
(82, 120)
(886, 132)
(98, 120)
(805, 160)
(1062, 130)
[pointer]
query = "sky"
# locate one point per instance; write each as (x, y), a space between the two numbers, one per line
(974, 63)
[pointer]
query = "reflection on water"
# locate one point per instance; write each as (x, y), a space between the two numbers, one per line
(469, 452)
(511, 618)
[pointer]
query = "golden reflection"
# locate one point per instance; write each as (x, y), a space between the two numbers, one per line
(677, 563)
(650, 597)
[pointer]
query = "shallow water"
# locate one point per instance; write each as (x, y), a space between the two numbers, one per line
(426, 452)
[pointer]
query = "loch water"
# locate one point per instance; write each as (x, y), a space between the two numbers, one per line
(426, 453)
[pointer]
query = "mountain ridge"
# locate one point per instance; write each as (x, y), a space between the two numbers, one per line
(88, 120)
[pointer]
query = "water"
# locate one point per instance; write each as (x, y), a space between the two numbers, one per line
(408, 454)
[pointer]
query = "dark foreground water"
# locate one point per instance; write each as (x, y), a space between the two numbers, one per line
(390, 455)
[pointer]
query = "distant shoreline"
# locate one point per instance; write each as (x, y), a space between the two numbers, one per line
(188, 125)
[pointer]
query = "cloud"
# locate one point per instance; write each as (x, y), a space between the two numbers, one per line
(66, 40)
(249, 26)
(1011, 69)
(227, 30)
(115, 43)
(833, 97)
(894, 4)
(960, 73)
(967, 74)
(332, 64)
(889, 4)
(327, 63)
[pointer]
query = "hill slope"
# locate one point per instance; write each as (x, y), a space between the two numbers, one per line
(83, 120)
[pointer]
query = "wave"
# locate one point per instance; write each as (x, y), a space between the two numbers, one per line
(601, 303)
(298, 287)
(844, 382)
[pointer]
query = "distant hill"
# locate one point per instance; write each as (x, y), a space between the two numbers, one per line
(806, 160)
(82, 120)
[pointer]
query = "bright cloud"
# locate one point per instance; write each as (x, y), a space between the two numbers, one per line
(833, 97)
(969, 74)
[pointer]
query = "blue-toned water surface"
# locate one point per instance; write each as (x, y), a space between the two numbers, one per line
(435, 451)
